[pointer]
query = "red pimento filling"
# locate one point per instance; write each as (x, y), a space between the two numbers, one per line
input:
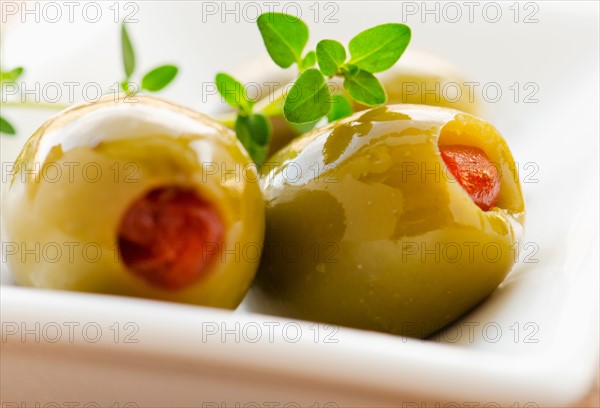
(169, 237)
(473, 170)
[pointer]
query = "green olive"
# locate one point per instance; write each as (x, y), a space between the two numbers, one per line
(425, 79)
(135, 196)
(367, 228)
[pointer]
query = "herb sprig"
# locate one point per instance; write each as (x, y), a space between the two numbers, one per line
(252, 129)
(154, 80)
(312, 97)
(374, 50)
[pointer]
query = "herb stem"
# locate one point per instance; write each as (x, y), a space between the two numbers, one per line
(268, 106)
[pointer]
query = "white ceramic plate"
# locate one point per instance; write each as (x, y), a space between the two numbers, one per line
(534, 341)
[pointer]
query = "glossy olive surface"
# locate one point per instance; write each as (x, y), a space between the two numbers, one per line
(80, 173)
(367, 228)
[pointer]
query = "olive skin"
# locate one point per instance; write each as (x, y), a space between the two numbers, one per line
(110, 154)
(366, 228)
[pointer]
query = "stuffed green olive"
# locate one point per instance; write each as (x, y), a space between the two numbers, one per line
(135, 196)
(397, 219)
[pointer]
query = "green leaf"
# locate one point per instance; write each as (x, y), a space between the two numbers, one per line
(127, 51)
(159, 77)
(309, 99)
(378, 48)
(233, 92)
(12, 75)
(309, 61)
(6, 127)
(331, 55)
(254, 131)
(363, 87)
(341, 107)
(284, 36)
